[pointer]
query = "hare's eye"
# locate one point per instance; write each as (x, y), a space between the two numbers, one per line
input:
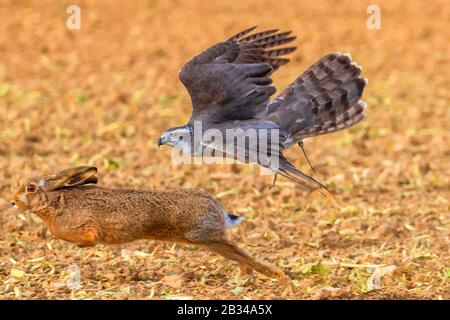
(181, 138)
(31, 188)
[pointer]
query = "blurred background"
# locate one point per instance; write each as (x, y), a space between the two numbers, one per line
(102, 94)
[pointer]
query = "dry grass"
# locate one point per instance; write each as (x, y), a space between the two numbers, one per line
(103, 94)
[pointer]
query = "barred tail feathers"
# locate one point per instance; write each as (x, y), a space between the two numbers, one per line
(324, 99)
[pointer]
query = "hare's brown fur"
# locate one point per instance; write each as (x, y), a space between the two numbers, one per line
(87, 215)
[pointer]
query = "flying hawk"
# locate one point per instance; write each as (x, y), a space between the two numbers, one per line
(230, 89)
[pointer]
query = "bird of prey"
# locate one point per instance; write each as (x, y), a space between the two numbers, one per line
(230, 89)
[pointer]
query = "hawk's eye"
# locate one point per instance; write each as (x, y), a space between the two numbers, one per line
(180, 138)
(31, 188)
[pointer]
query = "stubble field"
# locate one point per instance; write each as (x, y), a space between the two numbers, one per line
(102, 95)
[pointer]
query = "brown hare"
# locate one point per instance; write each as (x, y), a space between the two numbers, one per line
(77, 210)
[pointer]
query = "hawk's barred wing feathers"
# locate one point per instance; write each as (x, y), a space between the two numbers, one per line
(231, 80)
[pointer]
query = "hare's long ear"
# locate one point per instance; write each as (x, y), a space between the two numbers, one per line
(73, 177)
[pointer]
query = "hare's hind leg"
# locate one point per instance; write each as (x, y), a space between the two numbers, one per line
(247, 263)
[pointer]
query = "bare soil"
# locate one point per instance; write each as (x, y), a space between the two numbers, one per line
(103, 94)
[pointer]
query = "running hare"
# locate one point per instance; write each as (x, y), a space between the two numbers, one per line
(78, 211)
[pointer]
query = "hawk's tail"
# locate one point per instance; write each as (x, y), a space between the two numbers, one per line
(325, 98)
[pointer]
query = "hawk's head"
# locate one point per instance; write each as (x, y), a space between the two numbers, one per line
(178, 137)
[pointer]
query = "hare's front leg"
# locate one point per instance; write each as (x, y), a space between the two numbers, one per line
(85, 235)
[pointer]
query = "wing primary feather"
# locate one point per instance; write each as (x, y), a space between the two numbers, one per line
(242, 33)
(272, 37)
(275, 43)
(279, 52)
(278, 62)
(258, 35)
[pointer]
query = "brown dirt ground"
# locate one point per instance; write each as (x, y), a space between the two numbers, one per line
(103, 94)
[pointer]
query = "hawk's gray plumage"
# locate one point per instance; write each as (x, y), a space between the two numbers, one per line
(230, 88)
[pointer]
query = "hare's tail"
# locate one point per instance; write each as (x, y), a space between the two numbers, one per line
(232, 220)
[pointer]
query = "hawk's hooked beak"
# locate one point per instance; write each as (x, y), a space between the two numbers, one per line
(162, 140)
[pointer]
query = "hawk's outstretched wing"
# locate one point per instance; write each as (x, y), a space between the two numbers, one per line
(231, 80)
